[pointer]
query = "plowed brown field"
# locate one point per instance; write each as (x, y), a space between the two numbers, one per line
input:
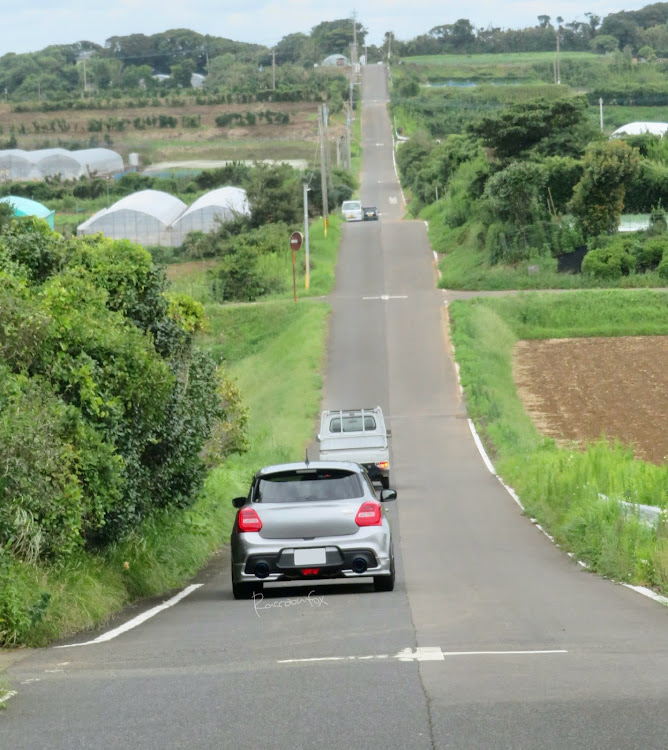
(581, 389)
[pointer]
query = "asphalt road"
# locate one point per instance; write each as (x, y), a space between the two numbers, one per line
(493, 637)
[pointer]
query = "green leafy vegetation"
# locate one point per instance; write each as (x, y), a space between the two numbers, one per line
(105, 404)
(574, 494)
(517, 184)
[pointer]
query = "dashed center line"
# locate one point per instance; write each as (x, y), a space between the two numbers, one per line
(385, 297)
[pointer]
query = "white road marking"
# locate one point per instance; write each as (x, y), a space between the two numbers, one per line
(130, 624)
(6, 696)
(648, 592)
(393, 200)
(423, 653)
(385, 297)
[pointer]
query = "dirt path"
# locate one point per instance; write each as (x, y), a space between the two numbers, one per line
(579, 389)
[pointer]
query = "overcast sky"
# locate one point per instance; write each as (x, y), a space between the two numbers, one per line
(34, 24)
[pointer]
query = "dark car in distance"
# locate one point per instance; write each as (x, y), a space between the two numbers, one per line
(370, 213)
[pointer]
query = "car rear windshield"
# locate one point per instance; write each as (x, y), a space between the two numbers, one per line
(306, 485)
(351, 205)
(352, 424)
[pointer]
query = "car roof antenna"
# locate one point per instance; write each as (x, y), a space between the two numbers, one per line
(306, 459)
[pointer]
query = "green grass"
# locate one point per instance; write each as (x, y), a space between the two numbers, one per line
(322, 261)
(502, 58)
(562, 488)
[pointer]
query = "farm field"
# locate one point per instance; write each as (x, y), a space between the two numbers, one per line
(578, 389)
(69, 129)
(502, 58)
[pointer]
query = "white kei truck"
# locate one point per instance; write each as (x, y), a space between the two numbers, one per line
(357, 435)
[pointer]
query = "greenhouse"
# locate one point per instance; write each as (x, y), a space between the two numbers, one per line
(220, 205)
(16, 164)
(642, 128)
(144, 217)
(52, 161)
(99, 161)
(26, 207)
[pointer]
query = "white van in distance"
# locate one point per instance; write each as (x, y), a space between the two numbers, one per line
(352, 210)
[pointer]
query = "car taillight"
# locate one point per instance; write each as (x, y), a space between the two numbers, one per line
(383, 465)
(368, 514)
(248, 520)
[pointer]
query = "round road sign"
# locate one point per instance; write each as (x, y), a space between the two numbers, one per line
(296, 239)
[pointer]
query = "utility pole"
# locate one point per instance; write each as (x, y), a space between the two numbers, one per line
(559, 22)
(323, 170)
(600, 108)
(85, 86)
(328, 156)
(389, 46)
(348, 124)
(307, 277)
(273, 69)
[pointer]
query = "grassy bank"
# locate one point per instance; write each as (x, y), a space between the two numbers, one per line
(563, 488)
(275, 351)
(464, 266)
(198, 283)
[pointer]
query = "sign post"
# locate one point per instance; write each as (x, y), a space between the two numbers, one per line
(296, 239)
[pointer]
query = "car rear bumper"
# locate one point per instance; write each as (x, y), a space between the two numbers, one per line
(254, 558)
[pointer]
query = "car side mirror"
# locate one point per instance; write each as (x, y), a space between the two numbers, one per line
(389, 433)
(317, 438)
(239, 502)
(386, 495)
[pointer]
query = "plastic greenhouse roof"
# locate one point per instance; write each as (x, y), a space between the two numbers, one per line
(89, 157)
(232, 198)
(161, 206)
(27, 207)
(638, 128)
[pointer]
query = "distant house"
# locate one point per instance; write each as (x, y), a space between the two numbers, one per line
(336, 60)
(642, 128)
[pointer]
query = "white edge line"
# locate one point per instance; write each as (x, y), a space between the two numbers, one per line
(6, 696)
(490, 466)
(130, 624)
(648, 592)
(396, 171)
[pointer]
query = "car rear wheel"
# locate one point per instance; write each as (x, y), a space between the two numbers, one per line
(385, 483)
(246, 590)
(385, 583)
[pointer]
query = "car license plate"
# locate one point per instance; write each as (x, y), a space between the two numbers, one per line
(311, 556)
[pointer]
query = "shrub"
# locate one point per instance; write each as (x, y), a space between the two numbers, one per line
(611, 262)
(662, 268)
(650, 253)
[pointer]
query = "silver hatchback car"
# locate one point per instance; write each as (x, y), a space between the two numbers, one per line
(311, 520)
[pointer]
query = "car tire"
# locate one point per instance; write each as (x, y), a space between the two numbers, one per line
(385, 483)
(246, 590)
(385, 583)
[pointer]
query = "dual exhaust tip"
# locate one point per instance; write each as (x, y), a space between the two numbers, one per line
(359, 566)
